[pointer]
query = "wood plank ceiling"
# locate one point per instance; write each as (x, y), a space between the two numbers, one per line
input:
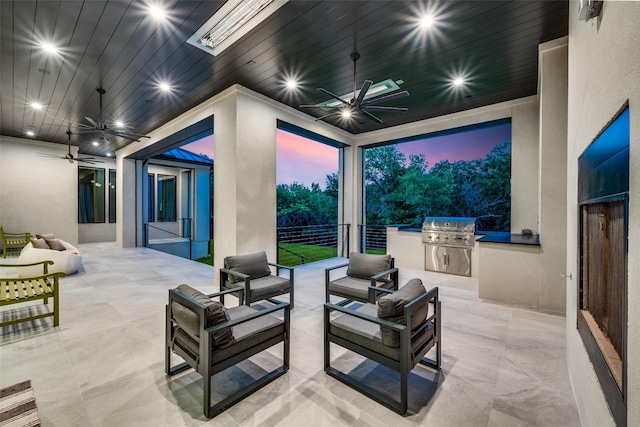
(117, 45)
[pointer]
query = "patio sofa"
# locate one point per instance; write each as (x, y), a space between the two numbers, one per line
(66, 258)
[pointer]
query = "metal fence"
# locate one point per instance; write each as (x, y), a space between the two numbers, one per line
(301, 245)
(170, 237)
(373, 238)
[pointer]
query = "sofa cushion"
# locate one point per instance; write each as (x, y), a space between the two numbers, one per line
(364, 266)
(255, 265)
(47, 236)
(56, 244)
(391, 308)
(39, 244)
(216, 314)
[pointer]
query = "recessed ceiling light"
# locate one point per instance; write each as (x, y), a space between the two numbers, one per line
(36, 106)
(109, 154)
(157, 12)
(292, 84)
(164, 86)
(346, 113)
(458, 81)
(95, 143)
(426, 21)
(48, 47)
(31, 133)
(119, 124)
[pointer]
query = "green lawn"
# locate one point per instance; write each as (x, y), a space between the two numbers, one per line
(311, 253)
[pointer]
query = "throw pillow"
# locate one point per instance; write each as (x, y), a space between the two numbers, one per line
(48, 236)
(391, 308)
(216, 314)
(55, 244)
(364, 266)
(255, 265)
(39, 243)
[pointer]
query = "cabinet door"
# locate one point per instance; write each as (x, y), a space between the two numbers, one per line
(458, 261)
(435, 257)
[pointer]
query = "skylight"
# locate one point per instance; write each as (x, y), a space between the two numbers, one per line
(377, 89)
(232, 21)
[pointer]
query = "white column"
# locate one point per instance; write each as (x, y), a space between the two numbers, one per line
(244, 177)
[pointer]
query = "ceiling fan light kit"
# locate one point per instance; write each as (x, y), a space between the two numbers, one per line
(362, 101)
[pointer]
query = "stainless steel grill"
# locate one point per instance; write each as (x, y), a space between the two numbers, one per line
(448, 242)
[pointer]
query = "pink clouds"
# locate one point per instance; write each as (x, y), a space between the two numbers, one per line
(303, 160)
(470, 145)
(201, 146)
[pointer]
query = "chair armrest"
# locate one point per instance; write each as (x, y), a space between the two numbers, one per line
(248, 317)
(377, 289)
(236, 274)
(45, 265)
(388, 272)
(392, 325)
(286, 267)
(336, 266)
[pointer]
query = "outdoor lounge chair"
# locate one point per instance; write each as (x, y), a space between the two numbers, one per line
(13, 241)
(363, 271)
(396, 333)
(251, 277)
(211, 338)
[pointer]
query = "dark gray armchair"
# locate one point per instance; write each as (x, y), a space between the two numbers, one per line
(211, 338)
(251, 277)
(363, 271)
(396, 333)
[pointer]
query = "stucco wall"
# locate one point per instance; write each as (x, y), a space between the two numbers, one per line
(38, 194)
(604, 65)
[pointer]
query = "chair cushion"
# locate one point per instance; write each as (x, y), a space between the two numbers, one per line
(47, 236)
(265, 285)
(391, 307)
(364, 266)
(246, 335)
(368, 334)
(39, 244)
(55, 244)
(255, 265)
(216, 313)
(354, 287)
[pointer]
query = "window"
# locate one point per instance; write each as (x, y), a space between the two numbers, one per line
(112, 196)
(166, 198)
(91, 195)
(463, 172)
(152, 197)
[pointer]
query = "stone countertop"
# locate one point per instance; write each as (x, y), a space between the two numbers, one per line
(509, 238)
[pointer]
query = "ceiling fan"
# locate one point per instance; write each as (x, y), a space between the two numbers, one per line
(357, 104)
(101, 127)
(70, 157)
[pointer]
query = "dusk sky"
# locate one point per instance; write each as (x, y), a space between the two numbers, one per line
(470, 145)
(305, 161)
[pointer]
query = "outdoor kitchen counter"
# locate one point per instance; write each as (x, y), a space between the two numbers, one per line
(509, 270)
(508, 238)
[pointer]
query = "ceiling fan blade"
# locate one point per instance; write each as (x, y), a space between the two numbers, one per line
(335, 113)
(129, 136)
(89, 160)
(337, 98)
(381, 108)
(124, 134)
(371, 116)
(311, 106)
(363, 91)
(90, 120)
(389, 97)
(68, 122)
